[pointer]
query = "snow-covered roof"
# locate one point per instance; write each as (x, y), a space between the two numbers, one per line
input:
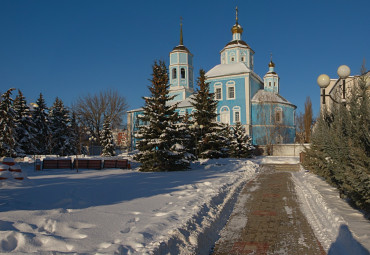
(183, 103)
(228, 69)
(267, 96)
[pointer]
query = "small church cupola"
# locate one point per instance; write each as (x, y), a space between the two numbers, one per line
(237, 29)
(271, 79)
(237, 50)
(271, 66)
(181, 70)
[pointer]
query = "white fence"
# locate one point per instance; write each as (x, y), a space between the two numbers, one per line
(285, 149)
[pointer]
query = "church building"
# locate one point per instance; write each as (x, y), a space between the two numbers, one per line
(241, 93)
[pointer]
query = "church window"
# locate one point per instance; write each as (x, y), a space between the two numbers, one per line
(225, 115)
(278, 115)
(218, 90)
(218, 94)
(242, 59)
(236, 114)
(270, 84)
(237, 117)
(182, 73)
(230, 85)
(274, 84)
(174, 73)
(232, 59)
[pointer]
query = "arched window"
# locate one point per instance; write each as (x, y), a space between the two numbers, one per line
(225, 115)
(174, 73)
(182, 73)
(232, 59)
(278, 115)
(242, 59)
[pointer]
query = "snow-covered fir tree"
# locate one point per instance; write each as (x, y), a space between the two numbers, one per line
(60, 129)
(7, 125)
(207, 129)
(24, 127)
(158, 147)
(106, 138)
(42, 132)
(240, 143)
(186, 138)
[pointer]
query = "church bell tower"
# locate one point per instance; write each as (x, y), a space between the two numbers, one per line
(181, 71)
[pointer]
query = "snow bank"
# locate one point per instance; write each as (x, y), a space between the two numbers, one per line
(340, 228)
(120, 211)
(276, 160)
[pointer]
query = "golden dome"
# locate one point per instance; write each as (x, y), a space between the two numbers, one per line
(271, 64)
(237, 29)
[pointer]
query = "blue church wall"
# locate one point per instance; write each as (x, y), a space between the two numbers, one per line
(255, 85)
(265, 124)
(263, 135)
(239, 101)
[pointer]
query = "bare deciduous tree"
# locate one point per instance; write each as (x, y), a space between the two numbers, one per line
(307, 119)
(300, 134)
(91, 109)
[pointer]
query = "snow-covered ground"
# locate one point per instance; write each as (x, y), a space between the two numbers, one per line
(340, 228)
(115, 211)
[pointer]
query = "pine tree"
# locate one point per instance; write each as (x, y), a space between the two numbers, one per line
(157, 145)
(106, 138)
(24, 127)
(7, 125)
(240, 142)
(205, 106)
(60, 129)
(42, 133)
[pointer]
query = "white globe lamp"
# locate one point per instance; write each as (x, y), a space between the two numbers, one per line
(343, 71)
(323, 80)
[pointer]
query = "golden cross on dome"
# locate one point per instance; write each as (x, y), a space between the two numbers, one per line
(236, 14)
(181, 39)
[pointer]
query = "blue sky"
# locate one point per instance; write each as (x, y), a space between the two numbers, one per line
(72, 47)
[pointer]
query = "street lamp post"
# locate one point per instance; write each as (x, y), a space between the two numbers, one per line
(195, 128)
(323, 80)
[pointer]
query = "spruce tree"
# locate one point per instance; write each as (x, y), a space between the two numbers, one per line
(340, 146)
(157, 145)
(186, 138)
(24, 127)
(60, 129)
(7, 125)
(240, 142)
(205, 106)
(42, 132)
(106, 138)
